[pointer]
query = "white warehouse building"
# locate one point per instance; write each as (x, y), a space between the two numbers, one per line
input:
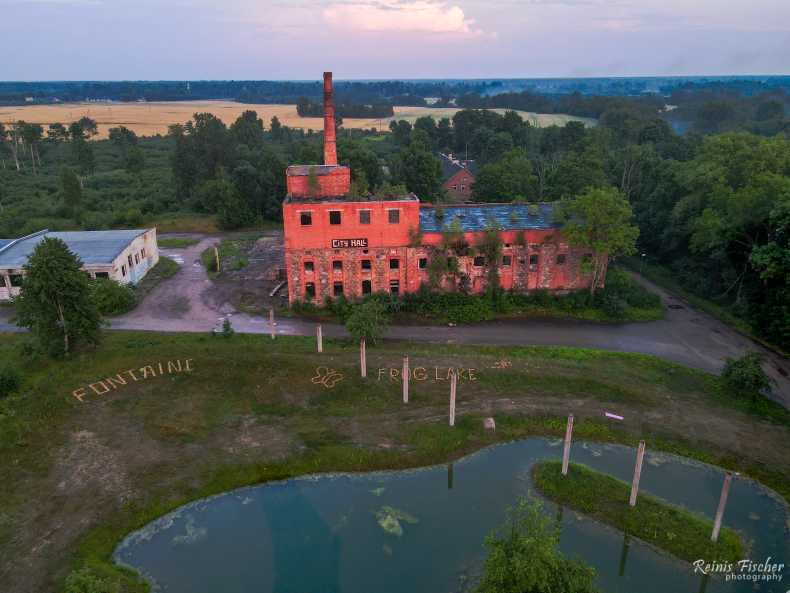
(125, 255)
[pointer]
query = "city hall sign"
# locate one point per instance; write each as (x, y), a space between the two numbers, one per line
(349, 243)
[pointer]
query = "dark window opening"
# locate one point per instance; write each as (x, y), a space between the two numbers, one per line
(364, 217)
(560, 259)
(337, 264)
(123, 271)
(334, 217)
(394, 264)
(365, 264)
(142, 253)
(367, 287)
(393, 216)
(129, 259)
(423, 263)
(309, 291)
(102, 275)
(136, 259)
(16, 280)
(506, 261)
(479, 261)
(533, 260)
(394, 287)
(306, 218)
(309, 266)
(337, 289)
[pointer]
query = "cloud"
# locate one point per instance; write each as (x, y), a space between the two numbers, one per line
(423, 16)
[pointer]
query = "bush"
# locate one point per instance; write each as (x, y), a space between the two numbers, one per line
(368, 320)
(10, 381)
(112, 298)
(86, 580)
(744, 376)
(227, 328)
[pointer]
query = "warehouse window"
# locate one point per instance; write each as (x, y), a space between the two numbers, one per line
(367, 287)
(309, 266)
(306, 218)
(560, 259)
(423, 263)
(479, 261)
(129, 259)
(393, 216)
(337, 265)
(142, 253)
(394, 264)
(102, 274)
(364, 217)
(16, 280)
(136, 259)
(533, 260)
(394, 287)
(506, 261)
(309, 291)
(365, 264)
(337, 289)
(334, 217)
(123, 271)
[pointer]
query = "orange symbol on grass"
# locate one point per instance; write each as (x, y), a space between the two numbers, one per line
(327, 377)
(502, 364)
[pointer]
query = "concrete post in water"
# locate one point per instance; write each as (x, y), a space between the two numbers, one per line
(624, 553)
(405, 375)
(319, 338)
(363, 359)
(216, 257)
(725, 492)
(450, 476)
(640, 455)
(271, 322)
(566, 454)
(453, 385)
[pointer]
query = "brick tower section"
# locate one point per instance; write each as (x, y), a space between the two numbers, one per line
(330, 143)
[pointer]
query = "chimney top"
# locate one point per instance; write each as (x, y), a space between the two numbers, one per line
(330, 147)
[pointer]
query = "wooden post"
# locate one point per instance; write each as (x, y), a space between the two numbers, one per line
(624, 553)
(640, 455)
(271, 322)
(405, 375)
(453, 385)
(450, 476)
(566, 454)
(363, 358)
(725, 491)
(216, 257)
(319, 338)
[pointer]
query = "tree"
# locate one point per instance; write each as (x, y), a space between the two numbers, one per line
(744, 376)
(401, 132)
(135, 160)
(124, 139)
(81, 150)
(509, 179)
(601, 220)
(368, 320)
(524, 557)
(71, 190)
(420, 171)
(55, 302)
(248, 129)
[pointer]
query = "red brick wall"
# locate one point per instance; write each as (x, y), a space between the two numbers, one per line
(462, 178)
(335, 183)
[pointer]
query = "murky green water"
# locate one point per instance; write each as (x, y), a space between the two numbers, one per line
(422, 531)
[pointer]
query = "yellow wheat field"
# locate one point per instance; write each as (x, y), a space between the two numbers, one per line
(149, 119)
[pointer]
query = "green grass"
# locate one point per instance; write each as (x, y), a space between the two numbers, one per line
(339, 429)
(177, 242)
(604, 498)
(232, 253)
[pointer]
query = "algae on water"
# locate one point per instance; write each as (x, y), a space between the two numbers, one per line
(389, 518)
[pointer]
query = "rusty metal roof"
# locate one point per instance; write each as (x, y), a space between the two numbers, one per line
(479, 217)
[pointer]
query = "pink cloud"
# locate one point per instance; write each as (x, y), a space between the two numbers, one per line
(424, 16)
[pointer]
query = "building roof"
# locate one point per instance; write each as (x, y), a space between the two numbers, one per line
(349, 199)
(92, 247)
(302, 170)
(451, 166)
(478, 217)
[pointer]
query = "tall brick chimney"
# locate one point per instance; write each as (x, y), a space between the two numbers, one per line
(330, 146)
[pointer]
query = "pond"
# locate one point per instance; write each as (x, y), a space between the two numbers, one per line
(423, 530)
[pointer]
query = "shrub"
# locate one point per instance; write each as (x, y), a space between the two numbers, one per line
(744, 376)
(227, 328)
(86, 580)
(10, 381)
(368, 320)
(112, 298)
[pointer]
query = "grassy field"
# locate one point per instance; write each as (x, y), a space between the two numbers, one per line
(75, 476)
(149, 119)
(676, 530)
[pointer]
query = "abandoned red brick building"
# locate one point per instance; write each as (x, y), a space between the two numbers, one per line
(339, 245)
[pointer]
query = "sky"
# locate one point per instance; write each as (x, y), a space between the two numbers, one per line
(374, 39)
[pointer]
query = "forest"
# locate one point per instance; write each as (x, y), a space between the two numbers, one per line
(712, 203)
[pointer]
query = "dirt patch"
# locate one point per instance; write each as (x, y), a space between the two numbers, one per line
(253, 438)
